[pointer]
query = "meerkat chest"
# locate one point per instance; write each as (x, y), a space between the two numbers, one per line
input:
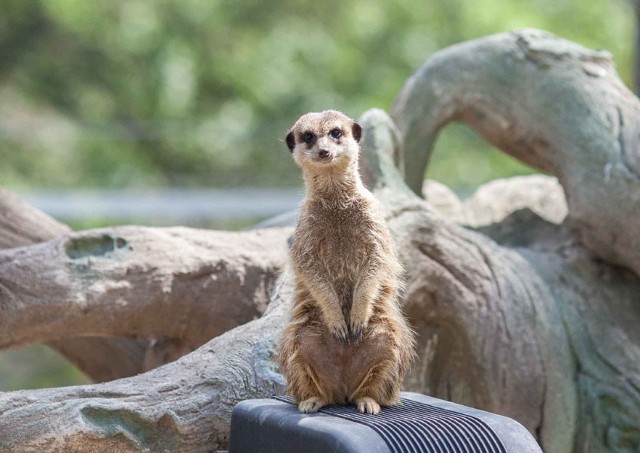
(342, 238)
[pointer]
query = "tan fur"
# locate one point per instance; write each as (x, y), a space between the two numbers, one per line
(346, 340)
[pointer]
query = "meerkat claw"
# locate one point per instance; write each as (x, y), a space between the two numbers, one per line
(368, 405)
(356, 330)
(310, 405)
(356, 333)
(341, 332)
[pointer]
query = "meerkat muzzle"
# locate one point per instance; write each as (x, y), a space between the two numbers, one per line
(324, 156)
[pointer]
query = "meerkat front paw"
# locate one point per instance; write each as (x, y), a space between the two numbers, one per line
(311, 405)
(340, 330)
(367, 405)
(357, 328)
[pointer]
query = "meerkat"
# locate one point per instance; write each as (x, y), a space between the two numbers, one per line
(347, 340)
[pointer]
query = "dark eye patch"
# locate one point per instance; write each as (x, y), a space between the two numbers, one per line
(308, 137)
(336, 133)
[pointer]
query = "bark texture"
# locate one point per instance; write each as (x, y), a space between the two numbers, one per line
(519, 306)
(100, 358)
(134, 281)
(550, 103)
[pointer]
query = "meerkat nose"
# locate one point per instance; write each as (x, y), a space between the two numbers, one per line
(323, 154)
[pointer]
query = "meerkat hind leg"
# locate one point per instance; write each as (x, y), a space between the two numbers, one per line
(378, 386)
(312, 382)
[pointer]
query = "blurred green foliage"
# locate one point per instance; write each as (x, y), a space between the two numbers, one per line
(143, 93)
(36, 367)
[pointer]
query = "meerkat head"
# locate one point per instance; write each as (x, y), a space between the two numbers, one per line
(328, 138)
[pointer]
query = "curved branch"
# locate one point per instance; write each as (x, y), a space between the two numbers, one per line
(551, 104)
(108, 358)
(21, 225)
(183, 406)
(520, 311)
(102, 359)
(174, 283)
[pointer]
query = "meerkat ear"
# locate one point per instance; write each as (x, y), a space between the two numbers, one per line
(356, 131)
(291, 141)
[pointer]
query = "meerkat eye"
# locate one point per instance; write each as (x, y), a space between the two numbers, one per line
(336, 133)
(308, 137)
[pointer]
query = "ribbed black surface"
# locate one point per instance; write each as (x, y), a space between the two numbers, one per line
(414, 427)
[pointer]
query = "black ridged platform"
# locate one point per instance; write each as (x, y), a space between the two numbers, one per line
(415, 427)
(421, 424)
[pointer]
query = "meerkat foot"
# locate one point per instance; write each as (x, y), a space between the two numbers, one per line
(367, 405)
(312, 404)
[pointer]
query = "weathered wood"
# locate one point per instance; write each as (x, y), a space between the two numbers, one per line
(22, 225)
(100, 358)
(238, 294)
(177, 283)
(183, 406)
(509, 320)
(550, 103)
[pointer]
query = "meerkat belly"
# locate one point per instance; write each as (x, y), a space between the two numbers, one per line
(342, 366)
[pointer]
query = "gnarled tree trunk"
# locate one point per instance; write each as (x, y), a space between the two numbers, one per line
(523, 305)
